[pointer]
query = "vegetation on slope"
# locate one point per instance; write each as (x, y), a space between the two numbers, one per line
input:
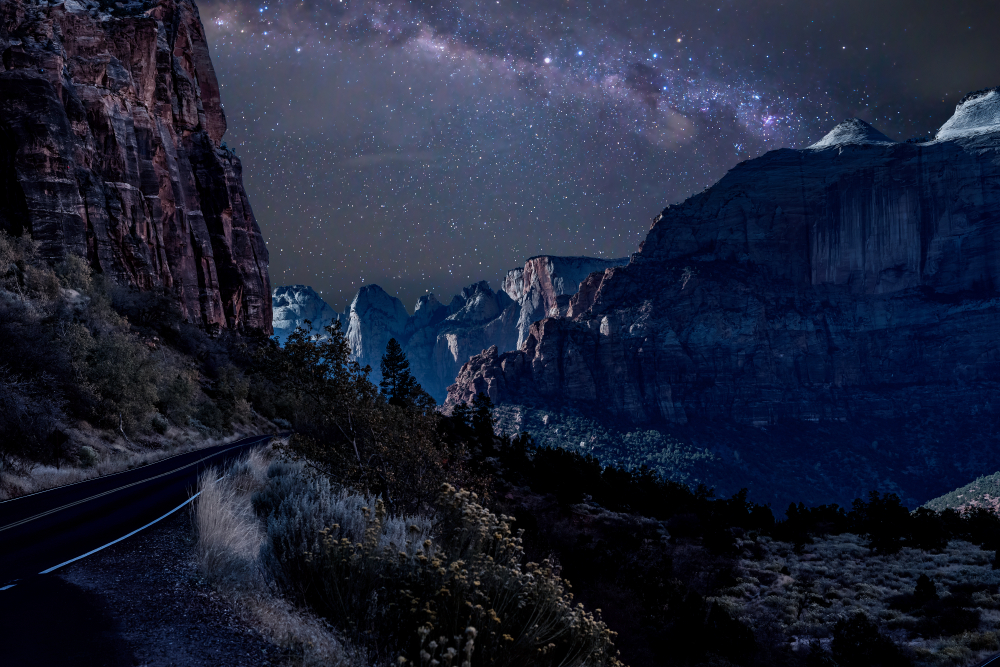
(403, 527)
(983, 492)
(93, 371)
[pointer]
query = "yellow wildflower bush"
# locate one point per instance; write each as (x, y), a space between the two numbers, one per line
(461, 595)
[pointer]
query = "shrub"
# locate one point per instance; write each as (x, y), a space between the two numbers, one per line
(28, 417)
(159, 424)
(87, 456)
(857, 642)
(120, 377)
(176, 397)
(387, 582)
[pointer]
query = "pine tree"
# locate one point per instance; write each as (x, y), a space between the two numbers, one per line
(398, 384)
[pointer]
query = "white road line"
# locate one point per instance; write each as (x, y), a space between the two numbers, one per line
(105, 546)
(120, 472)
(94, 551)
(120, 488)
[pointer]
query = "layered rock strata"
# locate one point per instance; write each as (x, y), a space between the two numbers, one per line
(856, 278)
(295, 305)
(439, 338)
(110, 131)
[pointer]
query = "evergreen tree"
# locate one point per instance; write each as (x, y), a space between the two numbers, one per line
(397, 385)
(925, 590)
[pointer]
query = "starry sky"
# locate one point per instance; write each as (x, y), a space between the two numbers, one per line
(424, 145)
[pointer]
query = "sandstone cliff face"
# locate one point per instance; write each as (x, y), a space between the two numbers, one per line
(538, 286)
(110, 130)
(438, 338)
(856, 278)
(293, 305)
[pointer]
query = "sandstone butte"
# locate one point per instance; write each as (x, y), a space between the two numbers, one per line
(439, 337)
(857, 277)
(110, 131)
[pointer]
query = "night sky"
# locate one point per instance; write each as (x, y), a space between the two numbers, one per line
(430, 144)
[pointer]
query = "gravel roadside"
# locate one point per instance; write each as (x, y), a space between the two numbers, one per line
(138, 602)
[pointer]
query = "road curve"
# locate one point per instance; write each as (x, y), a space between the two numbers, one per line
(43, 530)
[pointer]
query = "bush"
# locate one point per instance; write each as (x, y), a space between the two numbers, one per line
(857, 642)
(389, 583)
(118, 374)
(87, 456)
(28, 417)
(176, 397)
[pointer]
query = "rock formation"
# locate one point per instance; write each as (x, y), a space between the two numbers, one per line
(538, 286)
(856, 279)
(110, 131)
(439, 338)
(815, 284)
(294, 305)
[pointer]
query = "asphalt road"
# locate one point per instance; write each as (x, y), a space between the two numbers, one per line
(45, 530)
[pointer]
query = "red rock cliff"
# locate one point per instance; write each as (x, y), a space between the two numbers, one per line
(110, 131)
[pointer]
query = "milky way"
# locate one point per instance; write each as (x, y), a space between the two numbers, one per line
(426, 145)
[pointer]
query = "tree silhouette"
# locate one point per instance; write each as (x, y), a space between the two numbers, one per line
(397, 382)
(398, 385)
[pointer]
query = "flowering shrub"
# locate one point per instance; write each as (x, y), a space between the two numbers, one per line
(457, 595)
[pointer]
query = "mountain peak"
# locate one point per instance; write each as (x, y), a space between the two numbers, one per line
(852, 132)
(977, 113)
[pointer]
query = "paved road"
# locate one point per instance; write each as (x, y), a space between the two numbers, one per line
(46, 529)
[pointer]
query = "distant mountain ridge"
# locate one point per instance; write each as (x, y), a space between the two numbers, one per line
(438, 338)
(846, 294)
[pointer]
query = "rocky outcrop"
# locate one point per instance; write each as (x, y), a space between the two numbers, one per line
(373, 318)
(110, 131)
(295, 305)
(537, 287)
(853, 279)
(438, 339)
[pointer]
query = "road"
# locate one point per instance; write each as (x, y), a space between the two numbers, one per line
(43, 531)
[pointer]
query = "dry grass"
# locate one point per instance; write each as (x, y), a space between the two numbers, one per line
(111, 454)
(229, 538)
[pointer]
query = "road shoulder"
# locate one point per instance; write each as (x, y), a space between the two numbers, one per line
(164, 611)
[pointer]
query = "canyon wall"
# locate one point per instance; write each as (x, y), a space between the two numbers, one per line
(110, 148)
(855, 278)
(439, 338)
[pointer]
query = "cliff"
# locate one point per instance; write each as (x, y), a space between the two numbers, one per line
(293, 305)
(110, 131)
(439, 338)
(796, 286)
(850, 281)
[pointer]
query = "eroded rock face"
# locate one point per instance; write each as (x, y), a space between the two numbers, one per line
(856, 278)
(295, 305)
(538, 285)
(373, 318)
(110, 130)
(438, 339)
